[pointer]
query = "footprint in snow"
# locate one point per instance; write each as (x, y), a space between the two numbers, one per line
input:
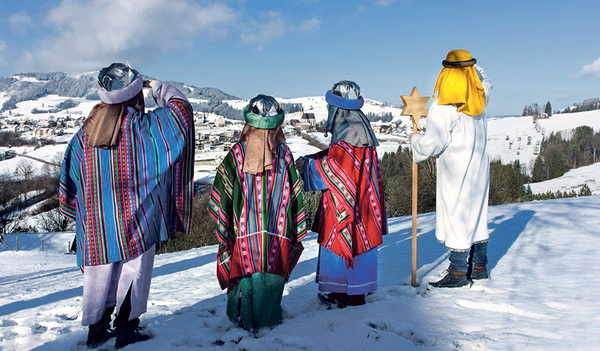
(7, 323)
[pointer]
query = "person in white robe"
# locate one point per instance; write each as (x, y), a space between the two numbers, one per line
(456, 134)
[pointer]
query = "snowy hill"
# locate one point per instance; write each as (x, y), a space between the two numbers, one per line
(519, 138)
(81, 86)
(542, 296)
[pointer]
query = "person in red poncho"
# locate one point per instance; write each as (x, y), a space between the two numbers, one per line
(351, 218)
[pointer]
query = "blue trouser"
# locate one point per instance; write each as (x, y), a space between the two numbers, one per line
(460, 259)
(334, 276)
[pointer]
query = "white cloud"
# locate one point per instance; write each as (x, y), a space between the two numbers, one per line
(593, 69)
(20, 22)
(269, 26)
(86, 35)
(310, 25)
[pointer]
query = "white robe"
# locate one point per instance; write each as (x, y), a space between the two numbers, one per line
(463, 172)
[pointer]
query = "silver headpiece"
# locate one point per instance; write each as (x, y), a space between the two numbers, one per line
(346, 89)
(265, 106)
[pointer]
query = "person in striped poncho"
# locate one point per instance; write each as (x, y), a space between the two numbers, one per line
(257, 204)
(127, 180)
(352, 216)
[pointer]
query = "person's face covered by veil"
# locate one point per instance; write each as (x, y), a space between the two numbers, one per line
(262, 133)
(345, 121)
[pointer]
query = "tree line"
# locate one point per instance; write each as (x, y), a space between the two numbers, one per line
(535, 110)
(558, 153)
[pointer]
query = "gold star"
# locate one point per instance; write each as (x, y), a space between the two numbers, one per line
(415, 106)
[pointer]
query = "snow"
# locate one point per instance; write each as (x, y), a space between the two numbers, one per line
(49, 153)
(23, 110)
(574, 179)
(299, 147)
(568, 121)
(198, 101)
(542, 294)
(525, 135)
(26, 79)
(517, 146)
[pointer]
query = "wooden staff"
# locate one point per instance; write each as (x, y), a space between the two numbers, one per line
(415, 106)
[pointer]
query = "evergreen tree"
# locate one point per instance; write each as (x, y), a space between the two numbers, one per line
(506, 182)
(539, 170)
(585, 190)
(548, 109)
(555, 161)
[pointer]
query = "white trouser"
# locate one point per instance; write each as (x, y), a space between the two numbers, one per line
(106, 286)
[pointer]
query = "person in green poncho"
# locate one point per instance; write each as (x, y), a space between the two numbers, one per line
(257, 203)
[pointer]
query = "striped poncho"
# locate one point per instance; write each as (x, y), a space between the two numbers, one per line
(352, 217)
(260, 218)
(130, 196)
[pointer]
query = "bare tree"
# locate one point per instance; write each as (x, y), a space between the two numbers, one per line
(53, 170)
(54, 221)
(12, 223)
(8, 191)
(24, 172)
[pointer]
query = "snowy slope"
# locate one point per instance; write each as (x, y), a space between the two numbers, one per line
(568, 121)
(518, 138)
(572, 180)
(542, 296)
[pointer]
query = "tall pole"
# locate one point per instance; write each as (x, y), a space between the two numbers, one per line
(415, 192)
(415, 107)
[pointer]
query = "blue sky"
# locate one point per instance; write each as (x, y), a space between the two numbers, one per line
(533, 51)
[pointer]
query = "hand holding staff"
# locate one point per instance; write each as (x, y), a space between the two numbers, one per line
(415, 106)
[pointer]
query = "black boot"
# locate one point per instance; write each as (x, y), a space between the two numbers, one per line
(129, 332)
(355, 300)
(332, 298)
(453, 279)
(479, 272)
(100, 332)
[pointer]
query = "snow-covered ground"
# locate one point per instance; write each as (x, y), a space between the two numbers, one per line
(518, 138)
(565, 122)
(572, 180)
(542, 296)
(48, 102)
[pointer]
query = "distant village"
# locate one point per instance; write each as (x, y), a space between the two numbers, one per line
(214, 133)
(43, 127)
